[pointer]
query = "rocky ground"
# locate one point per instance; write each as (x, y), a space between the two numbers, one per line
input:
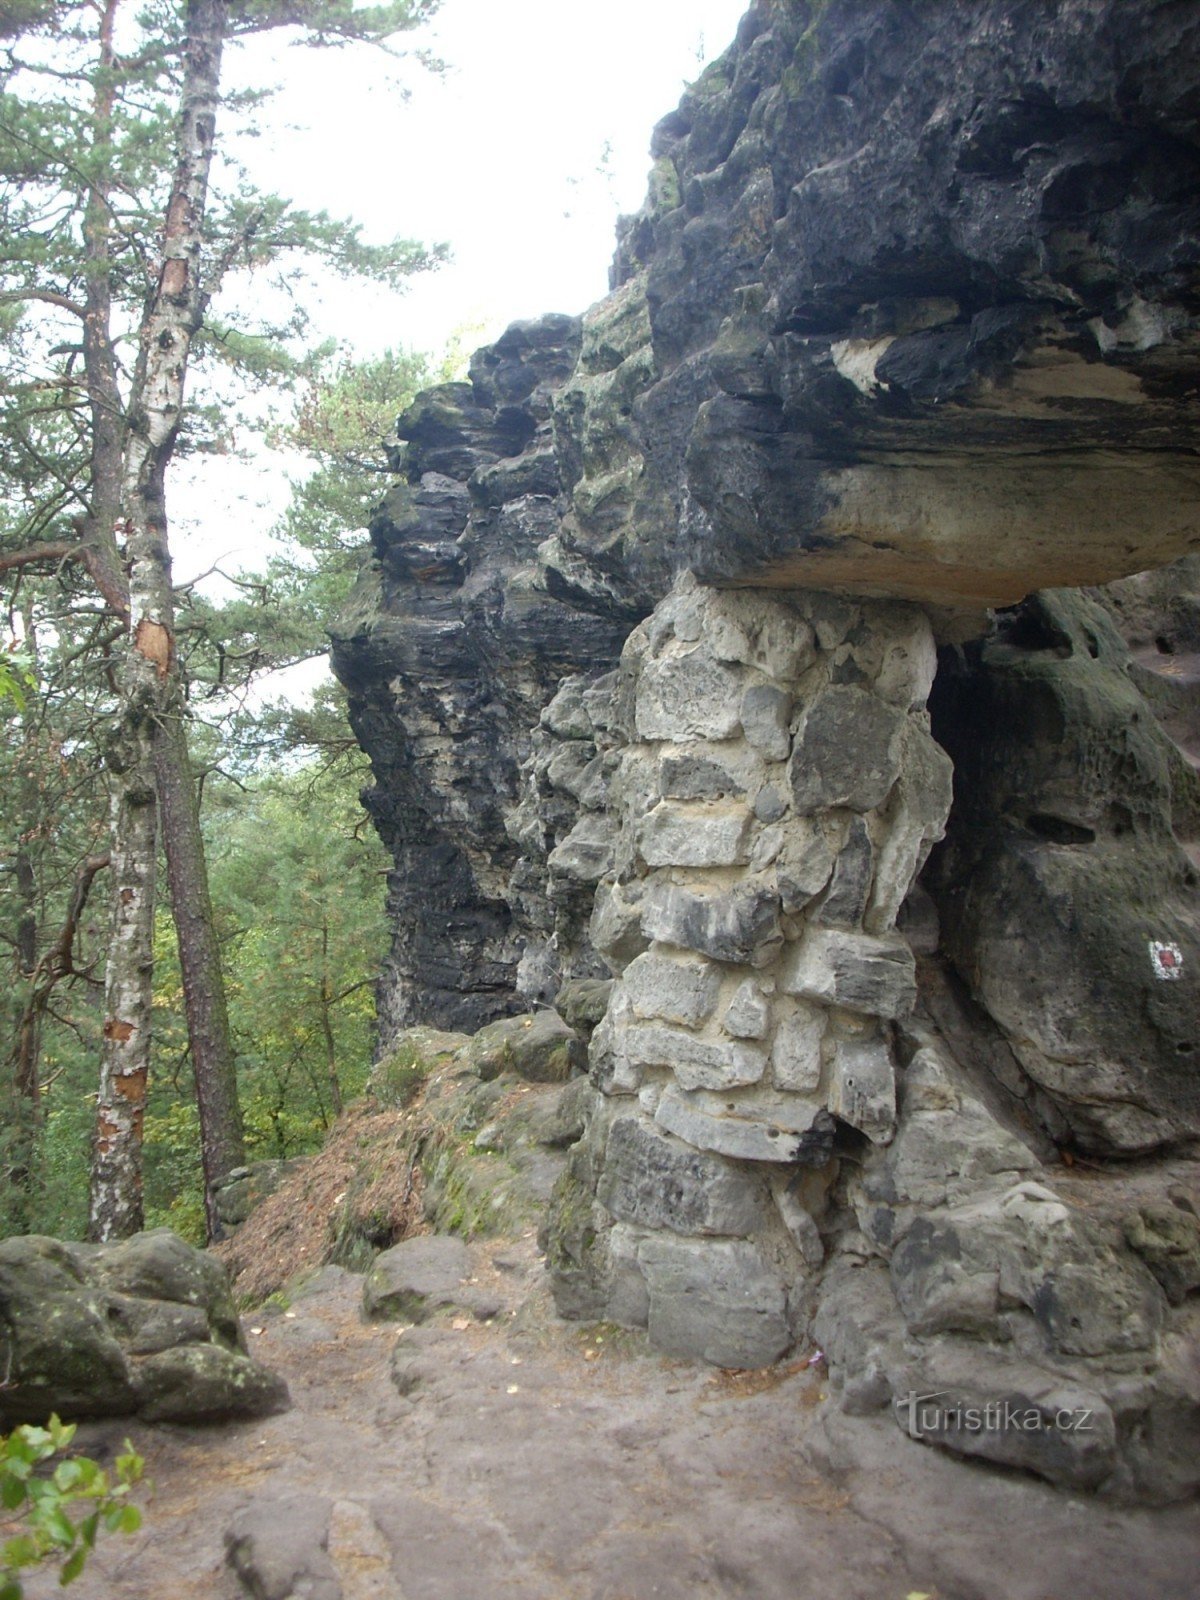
(494, 1450)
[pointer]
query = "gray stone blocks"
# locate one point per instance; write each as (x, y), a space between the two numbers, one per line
(655, 1181)
(717, 1301)
(870, 973)
(778, 794)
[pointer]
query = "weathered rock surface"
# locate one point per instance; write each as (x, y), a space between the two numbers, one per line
(909, 312)
(279, 1549)
(451, 646)
(145, 1327)
(565, 1462)
(1063, 850)
(237, 1194)
(539, 1049)
(897, 243)
(415, 1278)
(645, 661)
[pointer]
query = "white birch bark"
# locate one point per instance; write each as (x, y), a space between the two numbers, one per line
(148, 679)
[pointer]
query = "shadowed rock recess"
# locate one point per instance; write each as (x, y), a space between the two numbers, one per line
(723, 642)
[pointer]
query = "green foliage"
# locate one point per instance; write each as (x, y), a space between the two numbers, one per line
(44, 1503)
(299, 878)
(52, 819)
(173, 1175)
(86, 158)
(298, 882)
(16, 677)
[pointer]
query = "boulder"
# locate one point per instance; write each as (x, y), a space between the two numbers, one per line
(581, 1002)
(540, 1049)
(144, 1327)
(279, 1549)
(237, 1194)
(416, 1278)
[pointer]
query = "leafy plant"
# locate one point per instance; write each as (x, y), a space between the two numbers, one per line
(43, 1502)
(16, 677)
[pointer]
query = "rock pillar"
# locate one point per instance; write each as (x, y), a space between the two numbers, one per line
(779, 792)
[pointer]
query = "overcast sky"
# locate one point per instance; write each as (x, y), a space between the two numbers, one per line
(519, 158)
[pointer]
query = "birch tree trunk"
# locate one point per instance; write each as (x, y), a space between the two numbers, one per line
(153, 416)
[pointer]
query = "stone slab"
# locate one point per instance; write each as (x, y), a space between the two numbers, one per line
(862, 1089)
(847, 751)
(748, 1014)
(696, 1063)
(714, 1301)
(694, 836)
(759, 1129)
(656, 1182)
(739, 925)
(688, 696)
(671, 989)
(861, 972)
(796, 1051)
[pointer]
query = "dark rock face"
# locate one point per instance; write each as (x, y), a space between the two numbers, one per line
(889, 246)
(907, 329)
(910, 310)
(143, 1327)
(450, 648)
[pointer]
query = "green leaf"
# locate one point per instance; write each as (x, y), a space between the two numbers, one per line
(12, 1491)
(68, 1474)
(23, 1551)
(58, 1526)
(72, 1566)
(61, 1433)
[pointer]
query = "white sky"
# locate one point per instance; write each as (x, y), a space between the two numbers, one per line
(520, 158)
(499, 158)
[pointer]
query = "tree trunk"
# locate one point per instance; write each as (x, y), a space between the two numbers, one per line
(115, 1206)
(172, 316)
(221, 1142)
(326, 1004)
(25, 1055)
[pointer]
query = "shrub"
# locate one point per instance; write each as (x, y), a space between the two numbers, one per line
(41, 1503)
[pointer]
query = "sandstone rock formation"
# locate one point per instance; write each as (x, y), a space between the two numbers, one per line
(144, 1327)
(675, 663)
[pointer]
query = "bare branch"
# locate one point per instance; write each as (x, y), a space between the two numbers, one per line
(50, 297)
(57, 550)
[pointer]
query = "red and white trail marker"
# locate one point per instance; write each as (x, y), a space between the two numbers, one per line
(1166, 960)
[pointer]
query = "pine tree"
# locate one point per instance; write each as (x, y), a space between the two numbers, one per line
(112, 243)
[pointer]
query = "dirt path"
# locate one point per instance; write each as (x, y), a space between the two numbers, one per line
(537, 1460)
